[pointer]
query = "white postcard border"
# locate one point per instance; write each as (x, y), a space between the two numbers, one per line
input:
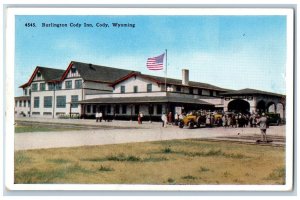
(9, 98)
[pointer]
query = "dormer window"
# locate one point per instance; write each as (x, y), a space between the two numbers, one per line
(38, 75)
(73, 70)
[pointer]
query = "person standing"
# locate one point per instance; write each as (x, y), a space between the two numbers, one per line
(140, 116)
(164, 120)
(100, 116)
(224, 121)
(97, 116)
(176, 118)
(262, 122)
(170, 115)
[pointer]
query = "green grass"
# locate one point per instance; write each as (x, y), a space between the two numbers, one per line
(25, 127)
(161, 162)
(41, 128)
(105, 169)
(58, 161)
(203, 169)
(124, 158)
(49, 176)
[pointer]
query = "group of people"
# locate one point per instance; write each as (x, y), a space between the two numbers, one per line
(99, 116)
(224, 120)
(237, 120)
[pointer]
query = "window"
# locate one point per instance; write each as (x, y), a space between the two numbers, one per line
(88, 108)
(29, 91)
(73, 70)
(151, 110)
(47, 113)
(191, 90)
(39, 74)
(36, 103)
(122, 88)
(42, 86)
(74, 98)
(94, 108)
(135, 89)
(211, 93)
(159, 109)
(28, 103)
(149, 87)
(60, 101)
(68, 85)
(34, 87)
(117, 111)
(200, 91)
(58, 86)
(136, 109)
(108, 109)
(25, 92)
(20, 103)
(48, 102)
(50, 86)
(78, 84)
(124, 109)
(178, 88)
(24, 103)
(16, 103)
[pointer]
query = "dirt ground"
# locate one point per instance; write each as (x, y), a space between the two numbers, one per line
(118, 132)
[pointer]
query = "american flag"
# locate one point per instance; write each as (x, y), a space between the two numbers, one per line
(156, 63)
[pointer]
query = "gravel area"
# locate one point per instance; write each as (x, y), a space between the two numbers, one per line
(142, 133)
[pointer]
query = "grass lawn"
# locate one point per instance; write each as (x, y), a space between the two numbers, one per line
(41, 128)
(163, 162)
(28, 127)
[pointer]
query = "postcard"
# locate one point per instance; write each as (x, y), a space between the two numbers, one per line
(149, 99)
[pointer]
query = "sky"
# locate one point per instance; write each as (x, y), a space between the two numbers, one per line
(232, 52)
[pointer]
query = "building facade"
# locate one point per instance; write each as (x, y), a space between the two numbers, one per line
(84, 89)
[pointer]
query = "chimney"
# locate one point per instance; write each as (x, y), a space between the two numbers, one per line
(185, 77)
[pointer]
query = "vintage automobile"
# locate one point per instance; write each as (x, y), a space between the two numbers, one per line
(273, 118)
(192, 119)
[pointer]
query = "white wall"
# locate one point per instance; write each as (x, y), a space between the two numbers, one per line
(66, 110)
(138, 81)
(22, 109)
(96, 88)
(118, 95)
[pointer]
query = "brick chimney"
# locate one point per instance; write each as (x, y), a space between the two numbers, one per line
(185, 77)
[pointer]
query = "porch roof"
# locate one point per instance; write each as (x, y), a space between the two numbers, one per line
(135, 100)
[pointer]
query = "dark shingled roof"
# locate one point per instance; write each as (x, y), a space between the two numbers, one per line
(51, 74)
(100, 73)
(251, 92)
(155, 99)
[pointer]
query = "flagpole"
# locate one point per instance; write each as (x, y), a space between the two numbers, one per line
(166, 70)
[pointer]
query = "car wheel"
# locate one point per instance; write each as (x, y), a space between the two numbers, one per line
(191, 125)
(278, 122)
(180, 124)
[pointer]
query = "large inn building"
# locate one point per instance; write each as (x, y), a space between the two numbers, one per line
(82, 89)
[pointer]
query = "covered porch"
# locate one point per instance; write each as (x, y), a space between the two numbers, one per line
(128, 108)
